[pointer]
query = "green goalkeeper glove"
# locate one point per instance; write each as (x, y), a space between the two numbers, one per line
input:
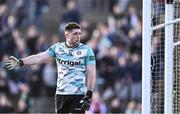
(13, 63)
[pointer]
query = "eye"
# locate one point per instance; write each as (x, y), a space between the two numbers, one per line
(77, 33)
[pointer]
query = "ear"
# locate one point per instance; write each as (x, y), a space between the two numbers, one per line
(66, 34)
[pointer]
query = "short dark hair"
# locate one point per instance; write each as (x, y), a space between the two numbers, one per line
(72, 25)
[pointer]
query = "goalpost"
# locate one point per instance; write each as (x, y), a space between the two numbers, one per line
(161, 56)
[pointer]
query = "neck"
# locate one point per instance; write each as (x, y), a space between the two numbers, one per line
(70, 45)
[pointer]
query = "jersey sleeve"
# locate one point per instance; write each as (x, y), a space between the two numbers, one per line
(90, 59)
(51, 51)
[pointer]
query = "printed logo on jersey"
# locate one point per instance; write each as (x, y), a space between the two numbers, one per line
(78, 52)
(59, 51)
(70, 52)
(69, 63)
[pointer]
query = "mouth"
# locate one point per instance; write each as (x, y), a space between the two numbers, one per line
(77, 40)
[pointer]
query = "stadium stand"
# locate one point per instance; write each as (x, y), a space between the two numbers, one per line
(111, 27)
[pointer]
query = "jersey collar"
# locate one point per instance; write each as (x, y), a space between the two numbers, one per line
(71, 47)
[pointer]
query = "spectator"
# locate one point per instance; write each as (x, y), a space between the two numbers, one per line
(23, 102)
(41, 7)
(22, 106)
(6, 41)
(20, 43)
(55, 39)
(136, 71)
(49, 78)
(4, 87)
(131, 107)
(98, 105)
(35, 81)
(115, 106)
(21, 13)
(71, 14)
(42, 43)
(5, 104)
(32, 38)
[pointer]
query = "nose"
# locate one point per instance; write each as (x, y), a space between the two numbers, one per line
(79, 35)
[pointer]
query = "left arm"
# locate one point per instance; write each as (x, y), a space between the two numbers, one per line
(91, 76)
(91, 79)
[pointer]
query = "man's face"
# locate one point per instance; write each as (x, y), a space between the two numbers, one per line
(73, 37)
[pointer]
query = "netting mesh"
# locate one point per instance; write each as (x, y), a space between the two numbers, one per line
(157, 54)
(176, 79)
(157, 58)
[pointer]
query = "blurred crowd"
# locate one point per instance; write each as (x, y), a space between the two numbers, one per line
(117, 43)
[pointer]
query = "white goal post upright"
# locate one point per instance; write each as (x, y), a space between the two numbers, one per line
(146, 63)
(168, 83)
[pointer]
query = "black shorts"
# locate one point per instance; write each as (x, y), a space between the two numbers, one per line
(68, 104)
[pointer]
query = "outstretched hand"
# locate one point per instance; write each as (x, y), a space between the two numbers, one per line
(12, 63)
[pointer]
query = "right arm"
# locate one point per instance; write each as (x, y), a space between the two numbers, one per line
(13, 62)
(40, 58)
(43, 57)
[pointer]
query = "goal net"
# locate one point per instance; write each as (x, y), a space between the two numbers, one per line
(165, 58)
(176, 79)
(157, 57)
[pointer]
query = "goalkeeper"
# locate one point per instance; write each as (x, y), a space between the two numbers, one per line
(76, 70)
